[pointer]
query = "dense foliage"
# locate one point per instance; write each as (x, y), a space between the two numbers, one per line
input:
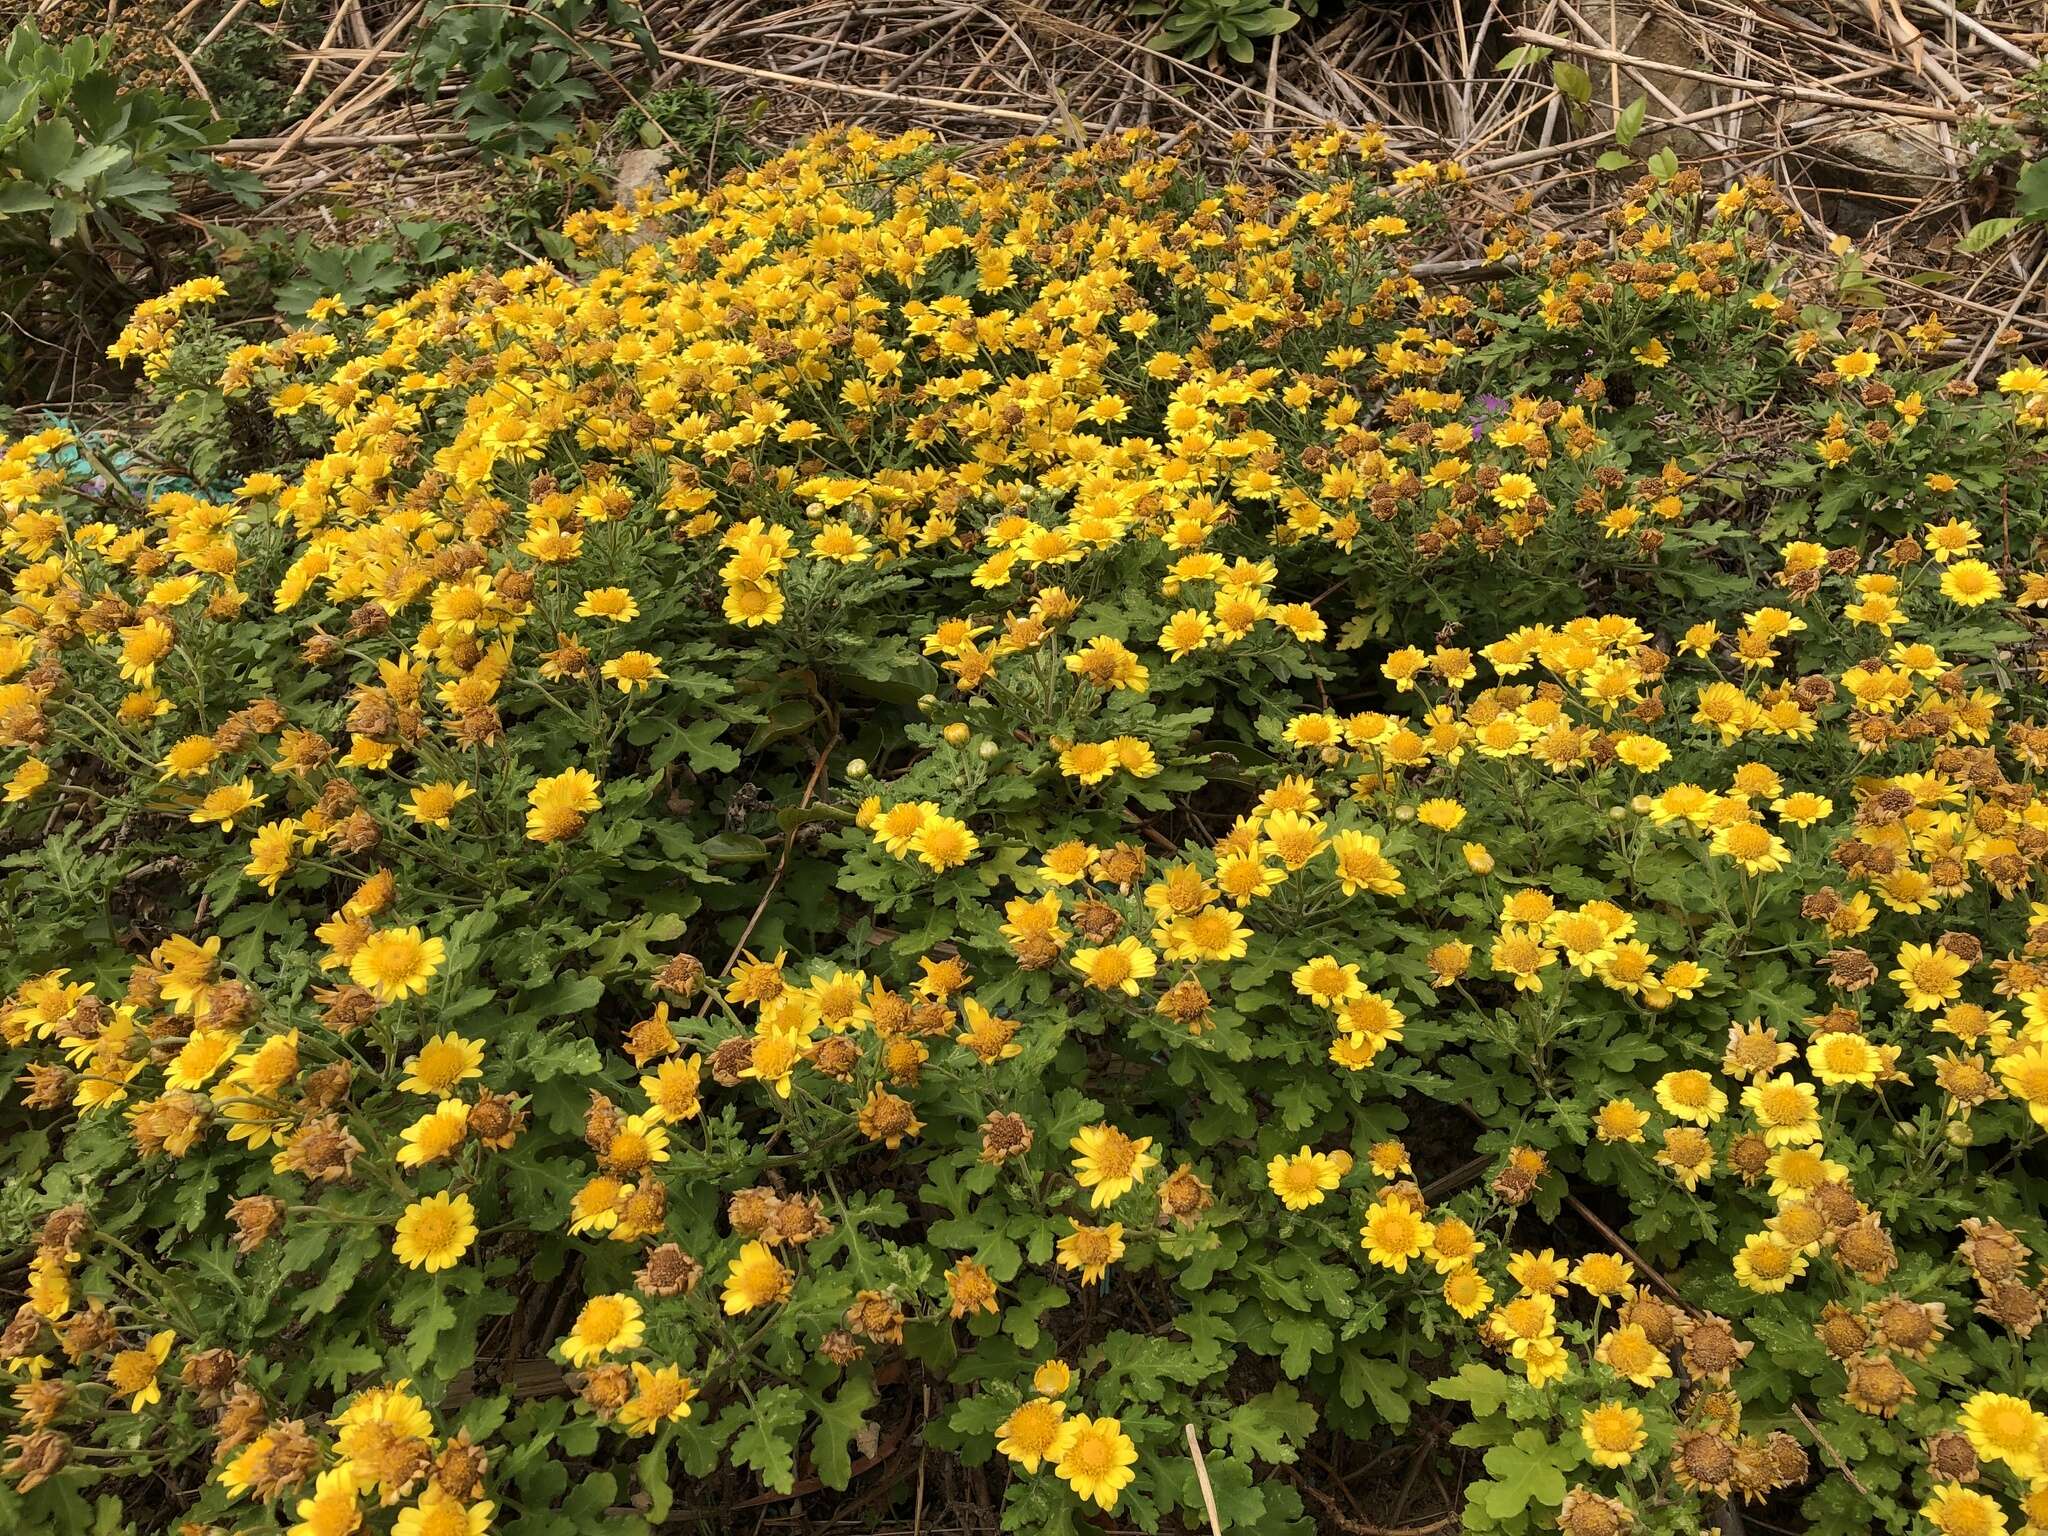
(980, 813)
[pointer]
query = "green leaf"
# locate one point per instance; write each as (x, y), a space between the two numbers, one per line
(1986, 233)
(654, 1482)
(431, 1315)
(45, 153)
(1270, 1425)
(1515, 58)
(336, 1365)
(96, 161)
(1614, 160)
(1630, 123)
(766, 1441)
(1573, 83)
(1525, 1471)
(1664, 164)
(1481, 1386)
(1385, 1382)
(338, 1275)
(2030, 192)
(839, 1425)
(736, 848)
(1302, 1341)
(24, 197)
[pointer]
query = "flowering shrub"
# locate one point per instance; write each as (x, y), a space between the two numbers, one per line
(1008, 810)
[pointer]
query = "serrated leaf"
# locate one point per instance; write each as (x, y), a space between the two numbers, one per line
(1270, 1425)
(1481, 1386)
(336, 1365)
(766, 1442)
(1525, 1471)
(839, 1425)
(1383, 1381)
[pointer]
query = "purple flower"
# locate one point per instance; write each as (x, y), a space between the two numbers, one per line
(1490, 406)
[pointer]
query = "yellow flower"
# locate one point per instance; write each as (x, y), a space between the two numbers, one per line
(396, 963)
(1756, 849)
(1620, 1120)
(1955, 1510)
(661, 1395)
(437, 1134)
(1690, 1094)
(596, 1207)
(1453, 1245)
(1842, 1057)
(1521, 954)
(1628, 1352)
(23, 783)
(1613, 1433)
(1545, 1361)
(1466, 1292)
(897, 827)
(1603, 1274)
(1929, 975)
(1393, 1234)
(189, 758)
(634, 671)
(2007, 1429)
(672, 1089)
(558, 805)
(1302, 1180)
(204, 1053)
(1031, 1434)
(1539, 1274)
(1802, 809)
(226, 805)
(1787, 1110)
(132, 1373)
(1362, 867)
(1052, 1378)
(1094, 1457)
(334, 1508)
(440, 1513)
(435, 1233)
(142, 647)
(613, 603)
(1327, 983)
(273, 848)
(1091, 1250)
(443, 1062)
(607, 1325)
(942, 843)
(1971, 584)
(1110, 1164)
(754, 1279)
(1767, 1263)
(1118, 967)
(431, 805)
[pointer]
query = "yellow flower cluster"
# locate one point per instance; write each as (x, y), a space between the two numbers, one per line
(1309, 745)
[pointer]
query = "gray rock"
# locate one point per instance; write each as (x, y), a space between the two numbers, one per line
(1886, 154)
(638, 168)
